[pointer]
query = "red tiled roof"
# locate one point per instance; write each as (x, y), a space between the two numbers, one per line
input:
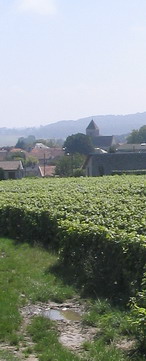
(48, 153)
(15, 150)
(49, 170)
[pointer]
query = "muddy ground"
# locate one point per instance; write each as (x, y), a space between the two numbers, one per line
(68, 318)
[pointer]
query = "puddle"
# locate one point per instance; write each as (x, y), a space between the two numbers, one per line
(53, 315)
(71, 315)
(62, 315)
(68, 317)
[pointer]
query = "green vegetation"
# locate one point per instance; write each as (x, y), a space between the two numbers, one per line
(70, 165)
(25, 143)
(18, 155)
(98, 228)
(8, 356)
(28, 142)
(30, 161)
(24, 278)
(45, 336)
(139, 313)
(78, 143)
(137, 136)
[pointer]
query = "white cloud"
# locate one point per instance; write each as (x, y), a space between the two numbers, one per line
(42, 7)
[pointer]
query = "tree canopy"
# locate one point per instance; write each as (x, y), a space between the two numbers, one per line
(25, 143)
(70, 165)
(137, 136)
(78, 143)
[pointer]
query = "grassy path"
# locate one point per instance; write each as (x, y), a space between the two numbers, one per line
(25, 280)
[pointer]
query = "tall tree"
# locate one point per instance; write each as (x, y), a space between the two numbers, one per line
(25, 143)
(137, 136)
(78, 143)
(68, 165)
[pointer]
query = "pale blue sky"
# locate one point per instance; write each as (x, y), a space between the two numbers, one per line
(67, 59)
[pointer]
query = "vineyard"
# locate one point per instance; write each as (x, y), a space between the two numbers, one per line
(99, 225)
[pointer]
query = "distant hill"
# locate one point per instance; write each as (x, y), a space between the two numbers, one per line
(108, 125)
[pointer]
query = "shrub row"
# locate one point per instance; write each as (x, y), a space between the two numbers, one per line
(98, 226)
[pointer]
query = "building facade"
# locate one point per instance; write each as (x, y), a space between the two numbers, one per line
(99, 141)
(12, 169)
(111, 163)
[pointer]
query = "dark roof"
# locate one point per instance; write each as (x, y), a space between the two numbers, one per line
(11, 165)
(92, 125)
(103, 141)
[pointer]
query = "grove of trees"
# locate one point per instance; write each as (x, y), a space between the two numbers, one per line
(70, 165)
(78, 143)
(137, 136)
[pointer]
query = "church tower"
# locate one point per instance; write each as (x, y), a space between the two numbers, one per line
(92, 130)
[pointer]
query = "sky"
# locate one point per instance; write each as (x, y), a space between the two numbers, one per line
(69, 59)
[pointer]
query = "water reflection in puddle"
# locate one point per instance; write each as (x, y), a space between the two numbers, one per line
(62, 315)
(71, 315)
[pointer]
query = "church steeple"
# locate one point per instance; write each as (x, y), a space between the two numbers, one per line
(92, 130)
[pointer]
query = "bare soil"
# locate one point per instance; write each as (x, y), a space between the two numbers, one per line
(72, 334)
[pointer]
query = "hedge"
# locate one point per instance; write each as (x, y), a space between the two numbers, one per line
(97, 225)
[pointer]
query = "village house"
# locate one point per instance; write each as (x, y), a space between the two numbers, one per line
(47, 170)
(111, 163)
(45, 158)
(46, 155)
(12, 169)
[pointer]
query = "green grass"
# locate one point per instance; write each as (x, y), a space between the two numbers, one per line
(25, 278)
(48, 348)
(45, 336)
(8, 356)
(102, 352)
(113, 324)
(107, 317)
